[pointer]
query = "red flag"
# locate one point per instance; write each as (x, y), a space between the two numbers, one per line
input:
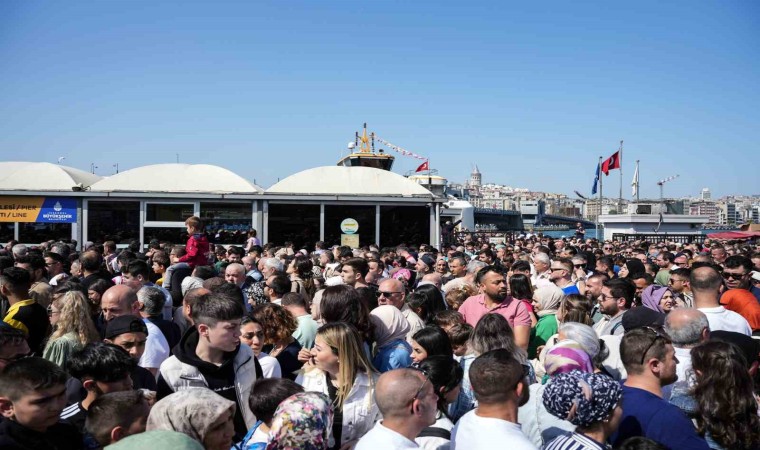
(613, 162)
(423, 166)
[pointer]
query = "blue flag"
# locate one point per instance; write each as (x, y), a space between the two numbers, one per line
(596, 181)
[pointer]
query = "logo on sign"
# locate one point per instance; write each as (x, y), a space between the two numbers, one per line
(349, 226)
(57, 207)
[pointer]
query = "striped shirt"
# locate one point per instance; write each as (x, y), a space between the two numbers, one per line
(75, 415)
(574, 441)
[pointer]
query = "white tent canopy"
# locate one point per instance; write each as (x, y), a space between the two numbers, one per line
(42, 176)
(359, 181)
(201, 178)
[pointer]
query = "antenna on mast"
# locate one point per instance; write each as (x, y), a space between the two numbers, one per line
(661, 183)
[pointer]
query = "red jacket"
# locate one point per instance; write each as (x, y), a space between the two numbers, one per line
(197, 251)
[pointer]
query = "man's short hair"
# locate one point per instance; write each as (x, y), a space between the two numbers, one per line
(459, 334)
(274, 263)
(161, 258)
(521, 266)
(486, 270)
(494, 374)
(705, 280)
(567, 263)
(16, 280)
(294, 299)
(235, 250)
(179, 251)
(152, 299)
(542, 257)
(35, 261)
(667, 256)
(217, 308)
(681, 272)
(737, 261)
(621, 287)
(280, 284)
(100, 362)
(90, 261)
(194, 222)
(55, 257)
(138, 267)
(268, 393)
(636, 341)
(475, 266)
(359, 265)
(689, 334)
(607, 261)
(116, 409)
(229, 290)
(643, 275)
(204, 272)
(28, 375)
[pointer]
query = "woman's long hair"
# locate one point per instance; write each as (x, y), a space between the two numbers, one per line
(434, 340)
(74, 318)
(520, 287)
(444, 372)
(303, 269)
(346, 343)
(343, 304)
(727, 408)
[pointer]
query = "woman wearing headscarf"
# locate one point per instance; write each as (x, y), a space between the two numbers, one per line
(199, 413)
(657, 298)
(589, 401)
(301, 422)
(546, 300)
(157, 440)
(391, 349)
(537, 423)
(630, 268)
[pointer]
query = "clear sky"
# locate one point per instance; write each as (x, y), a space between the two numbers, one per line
(532, 92)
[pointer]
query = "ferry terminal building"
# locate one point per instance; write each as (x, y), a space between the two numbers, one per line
(42, 201)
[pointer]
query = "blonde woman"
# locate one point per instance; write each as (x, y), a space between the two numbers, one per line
(340, 369)
(70, 316)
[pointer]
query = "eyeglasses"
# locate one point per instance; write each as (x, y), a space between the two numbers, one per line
(607, 248)
(657, 335)
(379, 294)
(422, 386)
(674, 280)
(733, 276)
(557, 268)
(579, 266)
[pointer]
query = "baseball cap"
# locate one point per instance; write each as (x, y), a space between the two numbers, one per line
(125, 324)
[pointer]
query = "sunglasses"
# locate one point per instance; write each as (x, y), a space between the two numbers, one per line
(379, 294)
(733, 276)
(657, 335)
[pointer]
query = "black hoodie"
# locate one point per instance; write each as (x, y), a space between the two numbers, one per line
(61, 436)
(220, 379)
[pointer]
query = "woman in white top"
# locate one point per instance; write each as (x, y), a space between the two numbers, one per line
(252, 335)
(339, 368)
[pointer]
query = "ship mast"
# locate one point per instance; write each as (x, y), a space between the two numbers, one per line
(364, 148)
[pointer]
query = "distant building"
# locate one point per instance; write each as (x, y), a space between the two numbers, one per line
(705, 208)
(705, 194)
(476, 179)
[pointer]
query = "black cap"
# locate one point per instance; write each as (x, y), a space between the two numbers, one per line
(125, 324)
(642, 317)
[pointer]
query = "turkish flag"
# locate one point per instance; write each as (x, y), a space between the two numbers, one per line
(613, 162)
(423, 166)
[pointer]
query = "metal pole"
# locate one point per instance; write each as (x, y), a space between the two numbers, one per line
(638, 185)
(601, 199)
(620, 197)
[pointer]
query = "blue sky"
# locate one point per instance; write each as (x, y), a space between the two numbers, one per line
(532, 93)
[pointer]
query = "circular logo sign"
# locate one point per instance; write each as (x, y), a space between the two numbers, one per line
(349, 226)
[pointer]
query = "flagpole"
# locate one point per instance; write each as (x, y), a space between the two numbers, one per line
(620, 198)
(601, 200)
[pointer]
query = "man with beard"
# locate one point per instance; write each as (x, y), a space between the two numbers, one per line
(494, 299)
(616, 298)
(594, 285)
(649, 359)
(500, 385)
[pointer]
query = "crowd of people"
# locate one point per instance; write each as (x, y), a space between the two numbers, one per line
(530, 343)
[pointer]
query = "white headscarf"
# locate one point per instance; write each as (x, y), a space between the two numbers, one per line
(548, 298)
(390, 324)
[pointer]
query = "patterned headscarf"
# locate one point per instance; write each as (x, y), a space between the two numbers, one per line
(390, 324)
(565, 357)
(302, 421)
(190, 411)
(651, 296)
(582, 398)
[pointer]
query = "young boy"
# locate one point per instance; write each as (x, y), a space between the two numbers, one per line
(112, 417)
(32, 395)
(270, 392)
(101, 368)
(459, 334)
(210, 356)
(197, 249)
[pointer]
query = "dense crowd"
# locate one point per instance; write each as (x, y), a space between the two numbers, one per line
(528, 343)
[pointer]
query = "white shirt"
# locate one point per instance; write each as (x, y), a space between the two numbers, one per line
(722, 319)
(381, 438)
(415, 323)
(156, 348)
(270, 367)
(473, 432)
(436, 443)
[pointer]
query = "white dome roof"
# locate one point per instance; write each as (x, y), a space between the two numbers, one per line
(202, 178)
(338, 180)
(42, 176)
